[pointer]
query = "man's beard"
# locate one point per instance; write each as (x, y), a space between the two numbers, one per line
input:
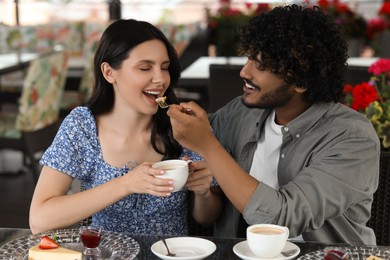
(277, 98)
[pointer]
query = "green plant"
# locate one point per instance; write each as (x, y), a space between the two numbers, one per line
(373, 99)
(224, 26)
(352, 24)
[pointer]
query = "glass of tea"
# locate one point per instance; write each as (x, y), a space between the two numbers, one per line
(90, 237)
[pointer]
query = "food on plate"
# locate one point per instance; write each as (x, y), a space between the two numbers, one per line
(372, 257)
(49, 249)
(335, 254)
(47, 243)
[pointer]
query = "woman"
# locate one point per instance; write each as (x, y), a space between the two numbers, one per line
(111, 143)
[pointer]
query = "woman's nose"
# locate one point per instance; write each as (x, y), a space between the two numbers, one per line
(158, 78)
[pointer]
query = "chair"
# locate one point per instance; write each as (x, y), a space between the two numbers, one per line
(380, 211)
(357, 74)
(32, 128)
(224, 85)
(78, 97)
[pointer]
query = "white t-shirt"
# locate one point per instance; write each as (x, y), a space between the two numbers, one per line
(266, 157)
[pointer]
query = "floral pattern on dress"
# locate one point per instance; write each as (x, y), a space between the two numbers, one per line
(76, 151)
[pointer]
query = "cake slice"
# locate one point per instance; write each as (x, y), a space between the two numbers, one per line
(60, 253)
(372, 257)
(161, 102)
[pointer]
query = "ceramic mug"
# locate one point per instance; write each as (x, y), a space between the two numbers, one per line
(177, 170)
(266, 240)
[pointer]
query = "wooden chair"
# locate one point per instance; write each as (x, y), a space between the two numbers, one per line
(224, 85)
(33, 127)
(380, 211)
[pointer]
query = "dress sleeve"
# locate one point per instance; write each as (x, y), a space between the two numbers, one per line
(74, 150)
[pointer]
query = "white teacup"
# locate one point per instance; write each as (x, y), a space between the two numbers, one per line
(176, 170)
(266, 240)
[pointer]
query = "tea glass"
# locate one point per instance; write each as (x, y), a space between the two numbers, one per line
(90, 237)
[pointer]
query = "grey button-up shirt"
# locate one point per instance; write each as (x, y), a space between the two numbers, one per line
(328, 171)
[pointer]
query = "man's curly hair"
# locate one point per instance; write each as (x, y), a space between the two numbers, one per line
(303, 46)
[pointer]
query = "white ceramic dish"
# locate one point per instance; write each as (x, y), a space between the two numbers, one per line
(185, 248)
(242, 251)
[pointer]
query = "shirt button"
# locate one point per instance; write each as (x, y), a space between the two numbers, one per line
(282, 155)
(298, 135)
(286, 129)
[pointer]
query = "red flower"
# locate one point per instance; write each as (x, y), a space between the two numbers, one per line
(380, 66)
(363, 95)
(385, 9)
(348, 88)
(248, 5)
(323, 3)
(343, 8)
(376, 25)
(213, 24)
(262, 8)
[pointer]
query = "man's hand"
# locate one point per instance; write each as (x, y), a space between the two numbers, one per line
(193, 129)
(200, 178)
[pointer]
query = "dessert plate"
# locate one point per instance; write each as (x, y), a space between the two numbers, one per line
(185, 248)
(355, 252)
(242, 250)
(112, 244)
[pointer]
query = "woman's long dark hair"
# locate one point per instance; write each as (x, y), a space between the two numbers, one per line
(117, 41)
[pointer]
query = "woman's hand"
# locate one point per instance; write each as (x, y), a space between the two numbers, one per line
(142, 179)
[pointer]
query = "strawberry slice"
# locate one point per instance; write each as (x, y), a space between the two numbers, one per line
(47, 243)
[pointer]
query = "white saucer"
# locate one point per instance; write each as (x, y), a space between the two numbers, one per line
(185, 248)
(242, 250)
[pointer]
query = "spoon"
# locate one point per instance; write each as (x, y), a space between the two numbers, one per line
(169, 253)
(289, 252)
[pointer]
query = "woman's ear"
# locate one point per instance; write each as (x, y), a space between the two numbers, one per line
(107, 72)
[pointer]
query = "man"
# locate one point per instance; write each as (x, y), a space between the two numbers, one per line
(288, 152)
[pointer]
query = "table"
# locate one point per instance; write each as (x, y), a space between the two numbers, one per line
(199, 70)
(224, 249)
(10, 62)
(224, 245)
(14, 62)
(195, 78)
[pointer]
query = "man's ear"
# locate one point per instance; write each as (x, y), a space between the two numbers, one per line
(107, 72)
(300, 89)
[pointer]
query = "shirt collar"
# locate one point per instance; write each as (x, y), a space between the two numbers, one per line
(305, 121)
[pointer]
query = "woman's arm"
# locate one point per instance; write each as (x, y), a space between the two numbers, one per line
(52, 208)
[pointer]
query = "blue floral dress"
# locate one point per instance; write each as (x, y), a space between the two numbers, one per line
(76, 151)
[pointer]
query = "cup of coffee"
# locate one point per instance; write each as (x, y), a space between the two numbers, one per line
(176, 170)
(266, 240)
